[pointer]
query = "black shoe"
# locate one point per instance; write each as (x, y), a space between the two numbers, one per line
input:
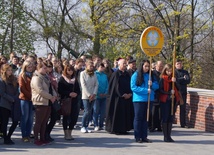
(146, 140)
(170, 139)
(152, 130)
(138, 140)
(31, 136)
(49, 139)
(9, 142)
(159, 130)
(121, 133)
(166, 139)
(185, 126)
(125, 133)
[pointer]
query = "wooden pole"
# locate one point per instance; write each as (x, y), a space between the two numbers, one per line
(149, 87)
(173, 75)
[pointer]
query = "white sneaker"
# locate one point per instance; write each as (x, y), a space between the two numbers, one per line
(83, 130)
(88, 131)
(96, 128)
(91, 124)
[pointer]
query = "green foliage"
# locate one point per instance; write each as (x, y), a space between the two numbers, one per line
(112, 28)
(48, 32)
(23, 36)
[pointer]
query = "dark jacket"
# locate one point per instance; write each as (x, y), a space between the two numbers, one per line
(131, 72)
(10, 99)
(8, 94)
(157, 76)
(181, 81)
(65, 88)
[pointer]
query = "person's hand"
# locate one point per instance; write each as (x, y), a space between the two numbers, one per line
(129, 95)
(173, 79)
(172, 91)
(73, 94)
(149, 82)
(126, 96)
(53, 99)
(92, 97)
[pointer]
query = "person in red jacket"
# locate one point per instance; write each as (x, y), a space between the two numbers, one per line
(25, 100)
(165, 97)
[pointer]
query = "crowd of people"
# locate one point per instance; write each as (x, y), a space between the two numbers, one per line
(114, 98)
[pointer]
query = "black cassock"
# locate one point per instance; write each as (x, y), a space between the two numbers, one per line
(119, 111)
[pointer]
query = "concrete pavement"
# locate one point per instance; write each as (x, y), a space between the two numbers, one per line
(188, 142)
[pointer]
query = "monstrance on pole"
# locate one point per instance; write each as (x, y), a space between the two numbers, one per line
(151, 43)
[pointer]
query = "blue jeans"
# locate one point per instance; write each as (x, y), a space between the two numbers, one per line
(99, 110)
(27, 117)
(88, 106)
(140, 120)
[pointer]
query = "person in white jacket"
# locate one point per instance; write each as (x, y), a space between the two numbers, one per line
(89, 85)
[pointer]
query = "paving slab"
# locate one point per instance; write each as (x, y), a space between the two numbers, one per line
(187, 142)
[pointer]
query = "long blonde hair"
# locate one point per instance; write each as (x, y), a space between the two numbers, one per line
(11, 79)
(166, 67)
(23, 71)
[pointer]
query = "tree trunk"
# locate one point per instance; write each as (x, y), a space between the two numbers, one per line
(192, 36)
(12, 26)
(96, 47)
(3, 40)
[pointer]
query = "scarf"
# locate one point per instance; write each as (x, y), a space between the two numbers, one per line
(166, 85)
(90, 73)
(29, 74)
(71, 81)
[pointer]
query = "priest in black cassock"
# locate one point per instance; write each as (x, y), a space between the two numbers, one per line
(119, 110)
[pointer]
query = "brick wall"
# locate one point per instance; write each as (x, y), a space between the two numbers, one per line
(200, 109)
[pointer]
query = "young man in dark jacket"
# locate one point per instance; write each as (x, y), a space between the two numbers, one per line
(183, 79)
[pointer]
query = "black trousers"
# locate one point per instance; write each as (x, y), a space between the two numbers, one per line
(71, 120)
(5, 115)
(155, 117)
(183, 111)
(54, 116)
